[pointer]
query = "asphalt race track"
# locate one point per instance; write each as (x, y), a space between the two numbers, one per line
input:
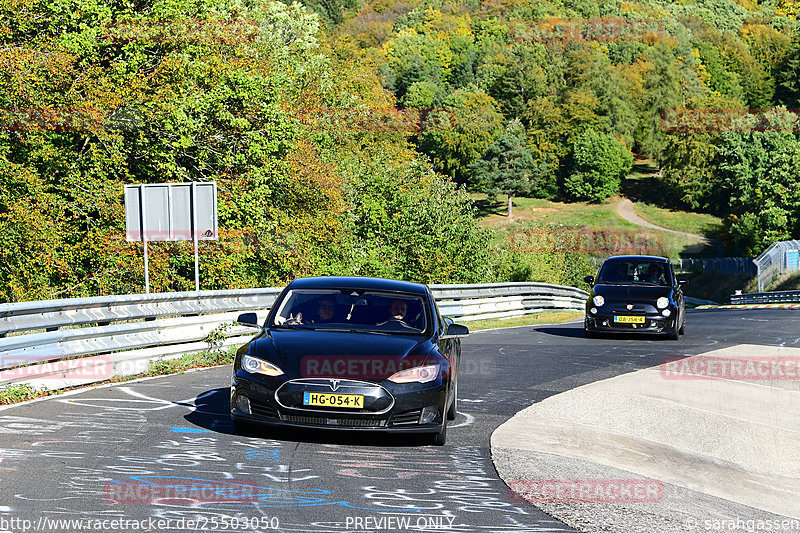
(161, 452)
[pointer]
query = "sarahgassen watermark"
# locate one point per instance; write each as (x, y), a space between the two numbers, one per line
(740, 525)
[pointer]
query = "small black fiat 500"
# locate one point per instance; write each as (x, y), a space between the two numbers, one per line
(349, 353)
(635, 294)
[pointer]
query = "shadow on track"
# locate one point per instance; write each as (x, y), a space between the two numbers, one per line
(213, 414)
(577, 333)
(573, 332)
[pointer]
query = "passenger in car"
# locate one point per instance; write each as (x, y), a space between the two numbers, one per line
(622, 273)
(325, 311)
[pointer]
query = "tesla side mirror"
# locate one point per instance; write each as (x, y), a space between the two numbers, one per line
(455, 331)
(249, 320)
(589, 280)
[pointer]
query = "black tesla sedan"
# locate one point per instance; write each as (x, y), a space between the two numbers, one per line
(349, 353)
(635, 294)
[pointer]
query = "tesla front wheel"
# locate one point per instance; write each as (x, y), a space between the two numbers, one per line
(453, 410)
(440, 438)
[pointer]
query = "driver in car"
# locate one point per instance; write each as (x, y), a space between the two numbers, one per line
(397, 314)
(654, 275)
(398, 310)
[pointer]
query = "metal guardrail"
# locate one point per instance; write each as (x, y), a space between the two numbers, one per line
(778, 258)
(126, 333)
(716, 265)
(766, 297)
(504, 300)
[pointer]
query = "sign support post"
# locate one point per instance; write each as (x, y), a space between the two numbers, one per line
(195, 237)
(143, 208)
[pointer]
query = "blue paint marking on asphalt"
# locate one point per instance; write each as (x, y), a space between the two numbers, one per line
(189, 430)
(272, 456)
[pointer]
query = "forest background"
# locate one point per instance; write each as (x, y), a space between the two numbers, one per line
(346, 137)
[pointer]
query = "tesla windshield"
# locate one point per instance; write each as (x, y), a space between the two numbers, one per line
(352, 309)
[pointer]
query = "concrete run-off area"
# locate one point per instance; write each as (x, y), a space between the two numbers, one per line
(718, 432)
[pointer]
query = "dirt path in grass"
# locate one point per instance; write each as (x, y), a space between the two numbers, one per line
(626, 211)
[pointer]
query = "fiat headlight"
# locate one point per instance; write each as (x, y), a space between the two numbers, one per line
(599, 301)
(662, 302)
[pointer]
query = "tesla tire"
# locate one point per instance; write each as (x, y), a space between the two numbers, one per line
(440, 438)
(452, 411)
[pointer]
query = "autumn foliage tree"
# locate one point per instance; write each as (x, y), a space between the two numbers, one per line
(96, 96)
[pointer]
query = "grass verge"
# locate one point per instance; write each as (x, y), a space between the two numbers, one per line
(21, 393)
(536, 212)
(787, 282)
(702, 224)
(545, 317)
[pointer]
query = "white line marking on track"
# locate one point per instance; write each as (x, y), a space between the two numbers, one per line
(469, 421)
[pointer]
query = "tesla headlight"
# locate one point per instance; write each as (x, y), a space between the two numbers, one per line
(662, 302)
(599, 301)
(419, 374)
(258, 366)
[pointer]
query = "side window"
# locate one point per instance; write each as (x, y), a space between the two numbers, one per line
(440, 323)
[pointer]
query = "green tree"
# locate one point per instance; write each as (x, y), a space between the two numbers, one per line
(404, 221)
(689, 160)
(412, 58)
(523, 78)
(508, 167)
(597, 164)
(787, 92)
(458, 135)
(662, 90)
(758, 170)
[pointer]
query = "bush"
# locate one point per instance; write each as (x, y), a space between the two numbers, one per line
(597, 164)
(406, 222)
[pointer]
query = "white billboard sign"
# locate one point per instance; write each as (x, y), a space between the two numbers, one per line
(171, 212)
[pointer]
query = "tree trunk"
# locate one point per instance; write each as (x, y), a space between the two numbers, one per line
(510, 208)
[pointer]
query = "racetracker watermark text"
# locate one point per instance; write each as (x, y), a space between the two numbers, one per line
(730, 368)
(199, 523)
(586, 490)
